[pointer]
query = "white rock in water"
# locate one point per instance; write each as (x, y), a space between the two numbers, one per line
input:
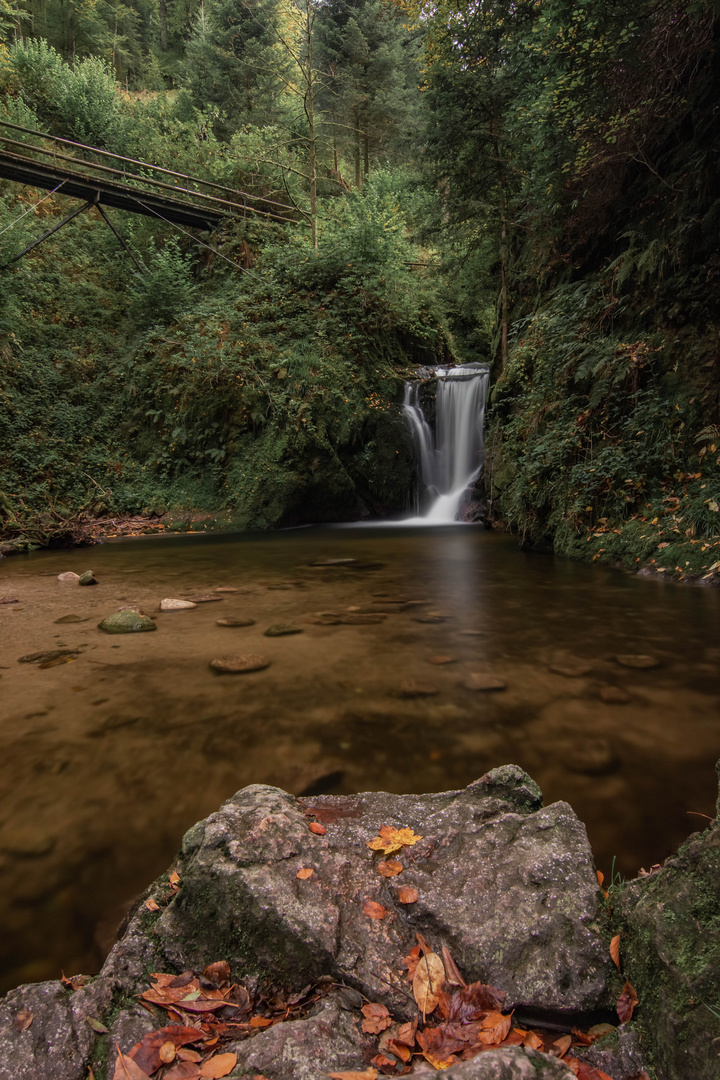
(175, 605)
(68, 576)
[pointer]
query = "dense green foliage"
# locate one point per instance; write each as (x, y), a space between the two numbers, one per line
(578, 148)
(264, 396)
(554, 164)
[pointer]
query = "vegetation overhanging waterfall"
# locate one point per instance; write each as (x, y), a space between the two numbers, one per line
(450, 459)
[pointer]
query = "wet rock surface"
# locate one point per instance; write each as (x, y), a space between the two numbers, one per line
(126, 621)
(506, 884)
(671, 946)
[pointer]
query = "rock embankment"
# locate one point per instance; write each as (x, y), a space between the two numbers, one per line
(295, 938)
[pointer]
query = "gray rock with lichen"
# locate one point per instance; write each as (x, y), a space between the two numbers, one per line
(507, 884)
(670, 951)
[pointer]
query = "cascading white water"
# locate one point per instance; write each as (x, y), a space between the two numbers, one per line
(451, 460)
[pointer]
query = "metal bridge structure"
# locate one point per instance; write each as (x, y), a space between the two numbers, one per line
(179, 199)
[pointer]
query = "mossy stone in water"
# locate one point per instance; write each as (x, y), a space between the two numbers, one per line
(88, 578)
(126, 622)
(281, 629)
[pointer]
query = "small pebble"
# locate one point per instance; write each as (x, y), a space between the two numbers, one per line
(282, 629)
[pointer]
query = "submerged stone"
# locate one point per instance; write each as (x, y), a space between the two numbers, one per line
(230, 620)
(68, 576)
(88, 578)
(126, 622)
(176, 605)
(614, 695)
(282, 629)
(639, 661)
(479, 680)
(69, 619)
(236, 665)
(572, 668)
(47, 657)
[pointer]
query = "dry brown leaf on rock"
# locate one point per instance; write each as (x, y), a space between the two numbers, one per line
(368, 1074)
(626, 1003)
(374, 910)
(411, 962)
(428, 981)
(561, 1046)
(452, 974)
(407, 895)
(533, 1041)
(583, 1071)
(390, 839)
(23, 1020)
(183, 1070)
(472, 1002)
(304, 873)
(384, 1064)
(615, 951)
(218, 1066)
(377, 1018)
(146, 1053)
(389, 868)
(126, 1069)
(495, 1029)
(151, 904)
(317, 828)
(218, 973)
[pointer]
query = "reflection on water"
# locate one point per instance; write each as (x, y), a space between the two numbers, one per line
(106, 760)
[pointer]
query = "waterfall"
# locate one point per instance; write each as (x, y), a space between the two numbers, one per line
(451, 459)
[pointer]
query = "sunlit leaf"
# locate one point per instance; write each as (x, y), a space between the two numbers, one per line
(427, 982)
(390, 839)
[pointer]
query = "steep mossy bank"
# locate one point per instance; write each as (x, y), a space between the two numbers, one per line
(602, 444)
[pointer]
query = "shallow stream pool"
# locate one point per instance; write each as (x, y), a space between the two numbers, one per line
(106, 759)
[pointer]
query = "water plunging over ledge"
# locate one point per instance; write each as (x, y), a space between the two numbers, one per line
(450, 460)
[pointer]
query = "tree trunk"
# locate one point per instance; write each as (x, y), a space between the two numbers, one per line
(310, 112)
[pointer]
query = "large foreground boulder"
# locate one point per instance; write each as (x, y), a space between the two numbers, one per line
(318, 904)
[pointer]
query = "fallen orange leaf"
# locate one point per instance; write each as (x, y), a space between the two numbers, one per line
(126, 1069)
(377, 1018)
(615, 951)
(151, 904)
(495, 1029)
(390, 868)
(305, 873)
(217, 1066)
(374, 910)
(23, 1020)
(368, 1074)
(427, 982)
(260, 1022)
(174, 878)
(562, 1045)
(317, 828)
(391, 839)
(626, 1003)
(167, 1052)
(407, 895)
(533, 1041)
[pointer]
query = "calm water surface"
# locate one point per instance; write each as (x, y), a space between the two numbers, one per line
(106, 760)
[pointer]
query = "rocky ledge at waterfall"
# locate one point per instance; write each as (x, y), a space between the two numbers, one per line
(379, 934)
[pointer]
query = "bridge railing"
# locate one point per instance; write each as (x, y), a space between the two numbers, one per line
(182, 187)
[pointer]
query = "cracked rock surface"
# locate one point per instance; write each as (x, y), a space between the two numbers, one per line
(508, 885)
